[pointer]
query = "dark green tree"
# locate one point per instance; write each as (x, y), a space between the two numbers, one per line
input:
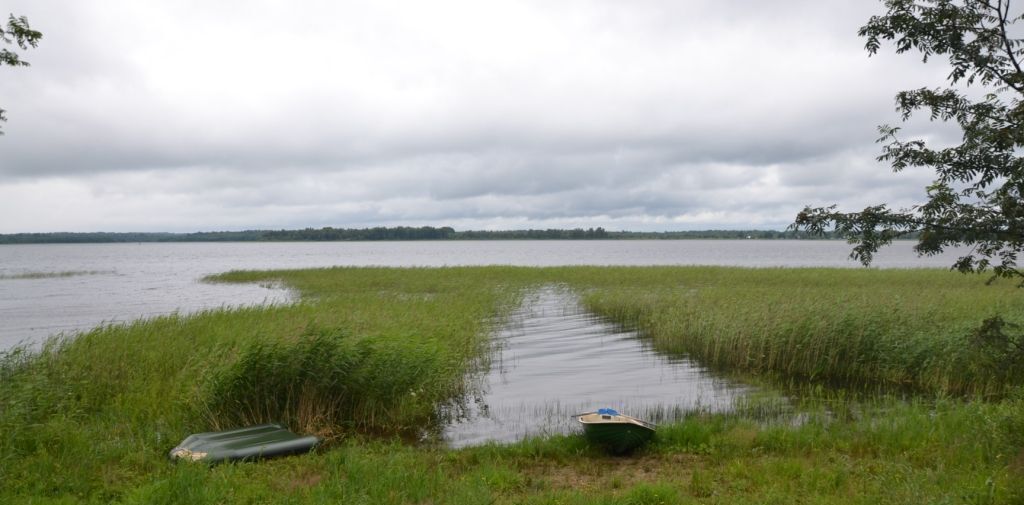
(975, 199)
(19, 33)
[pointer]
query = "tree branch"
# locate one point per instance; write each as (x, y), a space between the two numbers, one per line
(1004, 15)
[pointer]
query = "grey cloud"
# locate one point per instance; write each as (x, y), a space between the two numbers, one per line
(393, 113)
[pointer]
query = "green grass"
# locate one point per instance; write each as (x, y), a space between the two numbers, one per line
(369, 352)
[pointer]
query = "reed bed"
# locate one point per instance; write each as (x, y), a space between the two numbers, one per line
(880, 330)
(369, 353)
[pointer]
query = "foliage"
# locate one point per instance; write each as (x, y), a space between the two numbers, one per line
(19, 33)
(999, 345)
(977, 197)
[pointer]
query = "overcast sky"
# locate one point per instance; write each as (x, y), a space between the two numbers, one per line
(641, 115)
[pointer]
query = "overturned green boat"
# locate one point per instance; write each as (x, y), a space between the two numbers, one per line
(617, 433)
(252, 442)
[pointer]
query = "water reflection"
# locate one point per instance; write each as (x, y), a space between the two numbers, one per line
(553, 359)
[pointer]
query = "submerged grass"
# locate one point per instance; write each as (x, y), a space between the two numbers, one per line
(368, 354)
(51, 275)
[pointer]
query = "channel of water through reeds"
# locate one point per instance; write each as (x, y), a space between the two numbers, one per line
(551, 359)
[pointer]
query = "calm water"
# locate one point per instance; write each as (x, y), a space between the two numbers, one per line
(129, 281)
(553, 360)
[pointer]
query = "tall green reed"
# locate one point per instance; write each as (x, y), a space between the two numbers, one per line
(328, 382)
(899, 329)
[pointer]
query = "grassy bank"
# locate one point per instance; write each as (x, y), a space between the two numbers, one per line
(366, 355)
(915, 454)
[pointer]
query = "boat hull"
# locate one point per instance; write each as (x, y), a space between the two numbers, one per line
(253, 442)
(617, 433)
(618, 438)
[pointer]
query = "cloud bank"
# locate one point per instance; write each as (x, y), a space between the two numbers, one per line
(648, 115)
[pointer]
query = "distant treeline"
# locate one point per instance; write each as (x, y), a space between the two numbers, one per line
(392, 233)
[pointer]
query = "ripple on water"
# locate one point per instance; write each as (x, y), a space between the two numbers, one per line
(553, 359)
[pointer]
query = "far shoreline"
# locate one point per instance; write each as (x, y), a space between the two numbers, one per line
(403, 234)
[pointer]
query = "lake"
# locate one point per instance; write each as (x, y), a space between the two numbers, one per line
(52, 288)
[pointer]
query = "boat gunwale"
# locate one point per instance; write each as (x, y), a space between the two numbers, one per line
(615, 419)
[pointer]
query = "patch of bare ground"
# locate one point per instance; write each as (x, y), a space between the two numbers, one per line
(301, 478)
(1017, 463)
(613, 472)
